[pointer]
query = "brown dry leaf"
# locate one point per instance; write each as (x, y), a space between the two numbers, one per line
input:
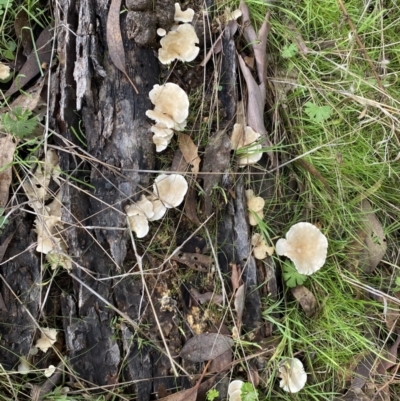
(31, 68)
(221, 362)
(23, 31)
(196, 261)
(306, 299)
(190, 152)
(184, 395)
(30, 99)
(191, 206)
(7, 148)
(114, 39)
(205, 347)
(239, 304)
(389, 357)
(206, 297)
(249, 61)
(235, 278)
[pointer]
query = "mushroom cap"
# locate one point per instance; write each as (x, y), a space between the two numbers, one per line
(142, 207)
(171, 105)
(139, 224)
(183, 16)
(4, 71)
(161, 142)
(292, 374)
(260, 250)
(236, 396)
(161, 32)
(305, 246)
(47, 339)
(252, 156)
(179, 45)
(254, 204)
(158, 208)
(162, 131)
(170, 189)
(234, 385)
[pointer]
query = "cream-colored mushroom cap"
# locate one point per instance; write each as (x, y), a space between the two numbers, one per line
(142, 207)
(139, 225)
(234, 385)
(179, 44)
(255, 204)
(171, 105)
(4, 71)
(170, 189)
(183, 16)
(305, 246)
(261, 249)
(162, 136)
(236, 396)
(292, 374)
(158, 208)
(161, 32)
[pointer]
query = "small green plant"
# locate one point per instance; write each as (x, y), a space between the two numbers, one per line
(289, 51)
(19, 122)
(3, 220)
(291, 276)
(212, 394)
(249, 393)
(317, 113)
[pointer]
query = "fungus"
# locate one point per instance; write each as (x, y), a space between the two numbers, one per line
(48, 338)
(255, 204)
(170, 189)
(171, 106)
(138, 215)
(305, 246)
(292, 374)
(245, 138)
(158, 208)
(162, 136)
(4, 71)
(260, 250)
(179, 44)
(183, 16)
(161, 32)
(23, 366)
(235, 390)
(232, 15)
(49, 371)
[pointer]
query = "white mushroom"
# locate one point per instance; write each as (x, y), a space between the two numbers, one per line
(260, 250)
(232, 15)
(183, 16)
(244, 138)
(255, 204)
(139, 224)
(49, 371)
(158, 208)
(179, 44)
(306, 246)
(23, 366)
(47, 339)
(4, 71)
(142, 207)
(235, 390)
(162, 136)
(161, 32)
(292, 374)
(170, 189)
(171, 106)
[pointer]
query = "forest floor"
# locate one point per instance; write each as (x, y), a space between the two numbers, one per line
(210, 303)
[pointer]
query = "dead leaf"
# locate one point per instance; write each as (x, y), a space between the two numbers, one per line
(190, 152)
(390, 357)
(184, 395)
(7, 148)
(235, 277)
(114, 39)
(205, 347)
(221, 362)
(32, 67)
(306, 299)
(30, 99)
(239, 304)
(23, 31)
(249, 61)
(206, 297)
(191, 206)
(196, 261)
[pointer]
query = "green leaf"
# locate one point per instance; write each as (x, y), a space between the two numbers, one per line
(248, 392)
(317, 113)
(19, 122)
(212, 394)
(291, 276)
(289, 51)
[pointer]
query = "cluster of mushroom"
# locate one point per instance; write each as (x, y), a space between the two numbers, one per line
(180, 42)
(171, 109)
(291, 371)
(246, 138)
(48, 222)
(305, 246)
(168, 192)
